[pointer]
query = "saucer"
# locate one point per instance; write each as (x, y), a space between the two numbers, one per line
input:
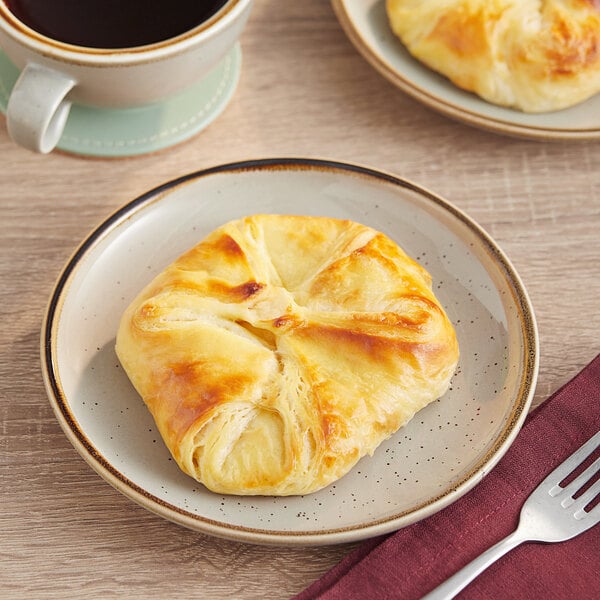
(131, 131)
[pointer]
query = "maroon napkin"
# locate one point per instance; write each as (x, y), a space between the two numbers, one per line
(411, 562)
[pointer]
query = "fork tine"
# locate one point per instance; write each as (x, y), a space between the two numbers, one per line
(580, 480)
(595, 512)
(585, 499)
(569, 465)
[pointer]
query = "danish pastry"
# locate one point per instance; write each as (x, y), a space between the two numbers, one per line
(532, 55)
(281, 349)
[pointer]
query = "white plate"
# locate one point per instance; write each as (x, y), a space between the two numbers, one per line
(366, 24)
(441, 454)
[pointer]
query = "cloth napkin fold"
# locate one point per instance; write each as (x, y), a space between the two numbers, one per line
(412, 561)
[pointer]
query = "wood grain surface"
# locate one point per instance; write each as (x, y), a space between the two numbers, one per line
(304, 91)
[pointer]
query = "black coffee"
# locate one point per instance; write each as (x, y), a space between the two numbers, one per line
(113, 23)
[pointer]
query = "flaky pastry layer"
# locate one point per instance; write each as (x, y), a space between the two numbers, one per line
(533, 55)
(281, 349)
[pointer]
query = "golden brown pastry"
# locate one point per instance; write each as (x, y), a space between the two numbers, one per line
(533, 55)
(281, 349)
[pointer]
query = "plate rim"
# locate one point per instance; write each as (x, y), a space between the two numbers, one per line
(446, 107)
(112, 475)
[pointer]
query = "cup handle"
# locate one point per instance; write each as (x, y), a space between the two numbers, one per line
(37, 109)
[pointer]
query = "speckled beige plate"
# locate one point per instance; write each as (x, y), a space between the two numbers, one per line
(366, 24)
(442, 453)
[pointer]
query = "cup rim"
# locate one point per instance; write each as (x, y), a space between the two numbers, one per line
(72, 53)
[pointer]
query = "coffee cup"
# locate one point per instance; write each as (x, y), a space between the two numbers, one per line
(135, 66)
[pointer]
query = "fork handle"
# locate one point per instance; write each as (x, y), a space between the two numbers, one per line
(462, 578)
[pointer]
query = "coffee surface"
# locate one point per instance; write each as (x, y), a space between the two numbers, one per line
(113, 23)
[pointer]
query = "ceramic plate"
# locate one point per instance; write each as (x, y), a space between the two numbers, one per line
(366, 24)
(443, 452)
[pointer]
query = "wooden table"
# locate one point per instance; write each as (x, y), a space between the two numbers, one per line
(304, 91)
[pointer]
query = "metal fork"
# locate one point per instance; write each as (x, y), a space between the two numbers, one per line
(550, 514)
